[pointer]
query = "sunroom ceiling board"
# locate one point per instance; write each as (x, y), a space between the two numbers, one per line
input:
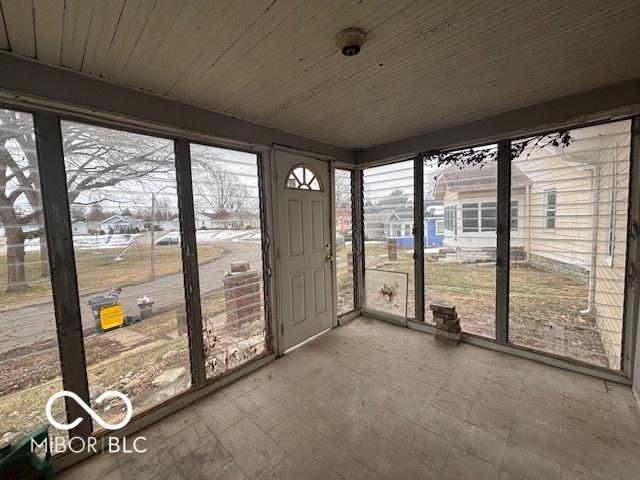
(424, 66)
(4, 40)
(18, 20)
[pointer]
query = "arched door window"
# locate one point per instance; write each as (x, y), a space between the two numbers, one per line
(302, 177)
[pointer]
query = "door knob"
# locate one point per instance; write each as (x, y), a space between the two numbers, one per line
(329, 257)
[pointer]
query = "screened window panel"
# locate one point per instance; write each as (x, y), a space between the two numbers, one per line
(568, 255)
(226, 201)
(388, 224)
(29, 358)
(124, 216)
(459, 265)
(344, 240)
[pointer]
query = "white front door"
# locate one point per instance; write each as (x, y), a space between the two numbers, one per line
(304, 249)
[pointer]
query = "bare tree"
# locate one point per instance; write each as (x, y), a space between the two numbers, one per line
(95, 158)
(343, 190)
(221, 190)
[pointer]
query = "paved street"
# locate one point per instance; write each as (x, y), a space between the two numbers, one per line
(33, 327)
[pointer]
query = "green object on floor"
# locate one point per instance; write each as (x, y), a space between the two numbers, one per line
(13, 457)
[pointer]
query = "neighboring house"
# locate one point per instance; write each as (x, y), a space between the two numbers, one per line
(170, 225)
(568, 215)
(121, 224)
(204, 221)
(397, 223)
(222, 221)
(343, 220)
(433, 225)
(80, 228)
(468, 196)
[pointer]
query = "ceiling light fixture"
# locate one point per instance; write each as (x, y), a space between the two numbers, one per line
(350, 41)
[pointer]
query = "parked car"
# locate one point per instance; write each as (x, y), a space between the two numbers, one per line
(169, 240)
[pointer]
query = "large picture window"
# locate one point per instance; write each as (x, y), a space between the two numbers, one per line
(568, 265)
(29, 359)
(226, 200)
(459, 264)
(124, 210)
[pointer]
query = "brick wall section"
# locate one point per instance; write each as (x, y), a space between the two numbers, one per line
(242, 295)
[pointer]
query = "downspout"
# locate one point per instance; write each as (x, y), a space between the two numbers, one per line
(594, 240)
(527, 205)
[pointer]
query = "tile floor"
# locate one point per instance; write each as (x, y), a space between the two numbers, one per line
(372, 400)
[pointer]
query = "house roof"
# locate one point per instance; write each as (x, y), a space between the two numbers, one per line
(401, 214)
(470, 179)
(226, 215)
(120, 219)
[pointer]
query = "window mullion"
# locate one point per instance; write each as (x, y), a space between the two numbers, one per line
(418, 237)
(503, 233)
(190, 261)
(64, 282)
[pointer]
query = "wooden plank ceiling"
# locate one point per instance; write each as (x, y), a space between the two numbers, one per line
(425, 65)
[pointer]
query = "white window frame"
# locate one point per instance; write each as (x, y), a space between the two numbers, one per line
(439, 227)
(481, 208)
(548, 209)
(465, 207)
(514, 218)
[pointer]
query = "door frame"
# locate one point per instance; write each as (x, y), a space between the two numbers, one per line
(276, 298)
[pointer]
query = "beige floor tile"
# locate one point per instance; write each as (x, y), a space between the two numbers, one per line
(543, 441)
(529, 465)
(390, 425)
(462, 386)
(441, 423)
(98, 466)
(487, 445)
(260, 457)
(460, 464)
(191, 438)
(317, 453)
(222, 418)
(405, 467)
(489, 419)
(207, 461)
(370, 448)
(407, 407)
(240, 436)
(290, 433)
(269, 415)
(420, 390)
(287, 469)
(427, 447)
(452, 403)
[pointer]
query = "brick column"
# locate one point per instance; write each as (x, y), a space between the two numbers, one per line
(392, 249)
(241, 295)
